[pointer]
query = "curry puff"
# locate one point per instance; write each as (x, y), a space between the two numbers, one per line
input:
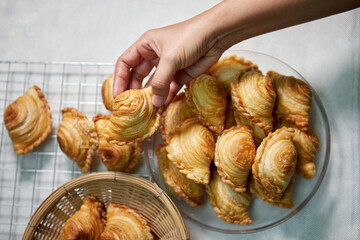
(234, 156)
(274, 168)
(179, 185)
(229, 205)
(229, 69)
(177, 111)
(191, 149)
(77, 137)
(116, 157)
(123, 222)
(293, 102)
(134, 117)
(253, 97)
(207, 99)
(107, 92)
(28, 120)
(87, 223)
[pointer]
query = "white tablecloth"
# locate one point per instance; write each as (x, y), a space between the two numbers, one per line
(326, 52)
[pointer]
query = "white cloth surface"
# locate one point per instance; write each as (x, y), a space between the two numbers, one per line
(326, 52)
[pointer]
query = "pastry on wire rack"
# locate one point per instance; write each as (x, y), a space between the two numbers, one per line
(116, 157)
(177, 183)
(107, 92)
(28, 120)
(123, 222)
(87, 223)
(77, 137)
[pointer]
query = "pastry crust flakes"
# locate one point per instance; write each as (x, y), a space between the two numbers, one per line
(28, 120)
(107, 92)
(77, 137)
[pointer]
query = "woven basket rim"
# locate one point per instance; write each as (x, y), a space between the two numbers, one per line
(46, 206)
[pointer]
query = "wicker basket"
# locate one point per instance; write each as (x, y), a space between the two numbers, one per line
(145, 197)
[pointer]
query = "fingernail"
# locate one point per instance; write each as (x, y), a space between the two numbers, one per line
(157, 100)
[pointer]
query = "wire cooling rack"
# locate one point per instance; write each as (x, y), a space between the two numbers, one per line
(26, 180)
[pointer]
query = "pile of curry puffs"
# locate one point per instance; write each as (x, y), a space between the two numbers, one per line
(91, 222)
(235, 132)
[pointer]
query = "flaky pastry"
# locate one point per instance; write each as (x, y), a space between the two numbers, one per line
(229, 114)
(207, 98)
(259, 133)
(116, 157)
(293, 103)
(253, 96)
(28, 120)
(274, 165)
(229, 205)
(87, 223)
(77, 137)
(229, 69)
(134, 117)
(234, 156)
(174, 114)
(179, 185)
(125, 223)
(191, 148)
(107, 92)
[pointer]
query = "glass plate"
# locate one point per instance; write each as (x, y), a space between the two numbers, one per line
(263, 215)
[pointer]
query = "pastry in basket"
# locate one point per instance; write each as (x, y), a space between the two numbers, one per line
(107, 92)
(234, 156)
(229, 205)
(77, 137)
(179, 185)
(274, 167)
(134, 117)
(253, 97)
(123, 222)
(28, 120)
(87, 223)
(121, 158)
(229, 69)
(207, 99)
(191, 148)
(177, 111)
(293, 103)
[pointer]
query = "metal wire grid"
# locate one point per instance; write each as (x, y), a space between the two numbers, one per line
(26, 180)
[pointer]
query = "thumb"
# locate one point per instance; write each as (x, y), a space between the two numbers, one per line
(161, 80)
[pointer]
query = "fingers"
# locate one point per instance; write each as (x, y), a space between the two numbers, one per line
(174, 89)
(138, 74)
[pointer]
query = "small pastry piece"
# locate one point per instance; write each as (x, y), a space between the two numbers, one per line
(274, 165)
(28, 120)
(259, 133)
(125, 223)
(228, 205)
(180, 186)
(253, 96)
(177, 111)
(191, 149)
(134, 117)
(116, 157)
(229, 69)
(77, 137)
(207, 99)
(87, 223)
(293, 102)
(234, 156)
(107, 92)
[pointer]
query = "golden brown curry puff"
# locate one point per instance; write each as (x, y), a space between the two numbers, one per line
(125, 223)
(77, 137)
(177, 111)
(178, 184)
(87, 223)
(107, 92)
(207, 99)
(234, 156)
(116, 157)
(28, 120)
(293, 103)
(274, 166)
(229, 205)
(191, 148)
